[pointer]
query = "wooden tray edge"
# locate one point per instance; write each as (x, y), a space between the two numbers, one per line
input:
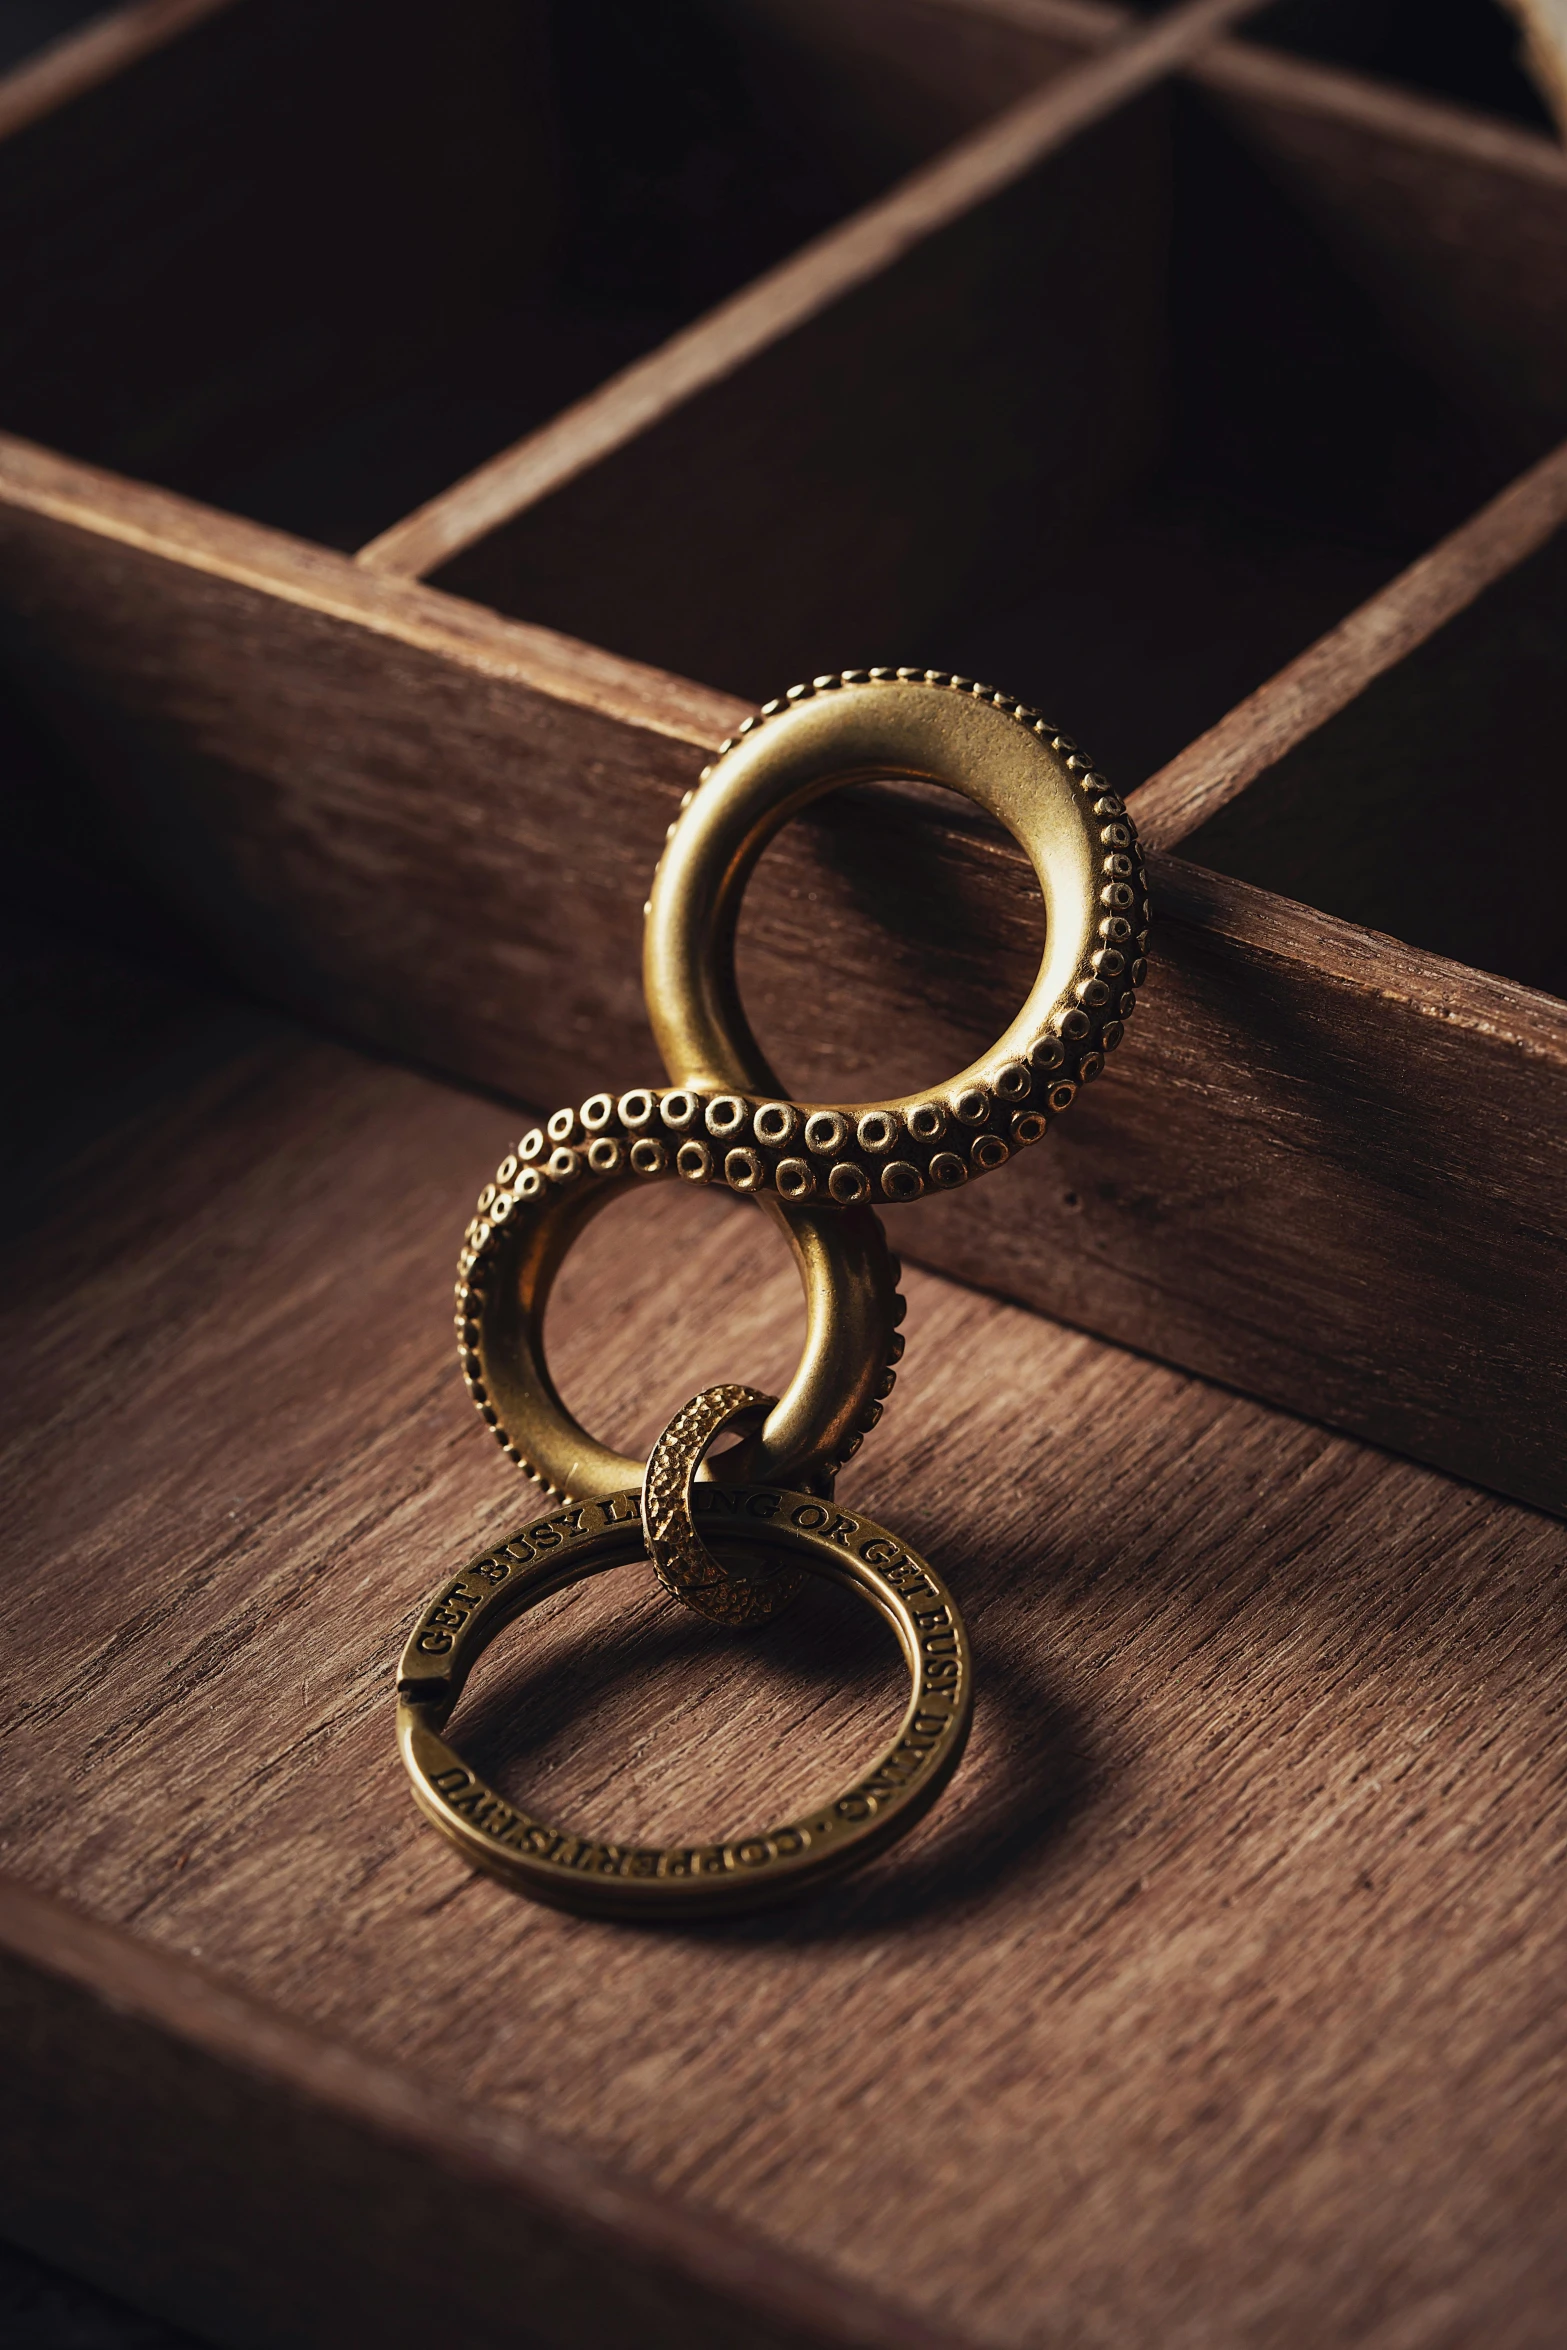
(158, 522)
(179, 531)
(182, 2145)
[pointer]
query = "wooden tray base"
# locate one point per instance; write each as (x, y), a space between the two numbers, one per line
(1216, 2004)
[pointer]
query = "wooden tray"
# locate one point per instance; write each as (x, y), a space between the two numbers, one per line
(1194, 383)
(1151, 387)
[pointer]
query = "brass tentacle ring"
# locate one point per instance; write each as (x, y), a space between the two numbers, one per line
(685, 1880)
(529, 1217)
(724, 1118)
(855, 727)
(681, 1559)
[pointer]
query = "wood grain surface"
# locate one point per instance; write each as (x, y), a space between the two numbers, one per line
(1458, 221)
(145, 2085)
(1216, 2004)
(1324, 1168)
(1190, 497)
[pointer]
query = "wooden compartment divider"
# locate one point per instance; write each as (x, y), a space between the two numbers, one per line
(343, 248)
(989, 160)
(1409, 161)
(1329, 675)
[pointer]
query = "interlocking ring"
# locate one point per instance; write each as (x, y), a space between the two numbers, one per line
(543, 1195)
(606, 1878)
(682, 1561)
(723, 1117)
(737, 1125)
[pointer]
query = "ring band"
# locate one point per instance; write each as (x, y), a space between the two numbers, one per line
(543, 1196)
(804, 1157)
(681, 1560)
(608, 1879)
(930, 726)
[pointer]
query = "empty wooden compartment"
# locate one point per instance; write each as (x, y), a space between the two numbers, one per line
(342, 251)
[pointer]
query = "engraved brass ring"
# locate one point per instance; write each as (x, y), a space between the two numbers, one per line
(605, 1878)
(682, 1561)
(543, 1196)
(857, 726)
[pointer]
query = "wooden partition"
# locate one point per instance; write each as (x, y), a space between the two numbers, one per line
(1185, 371)
(424, 434)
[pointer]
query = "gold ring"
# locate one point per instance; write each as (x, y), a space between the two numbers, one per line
(688, 1570)
(856, 727)
(672, 1882)
(543, 1195)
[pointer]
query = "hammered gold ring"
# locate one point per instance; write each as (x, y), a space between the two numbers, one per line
(542, 1197)
(605, 1878)
(737, 1123)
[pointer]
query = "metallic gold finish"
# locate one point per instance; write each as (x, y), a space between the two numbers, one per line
(515, 1246)
(671, 1882)
(816, 1168)
(856, 726)
(685, 1566)
(769, 1148)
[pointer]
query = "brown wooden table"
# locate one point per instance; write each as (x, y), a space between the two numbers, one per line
(1218, 2004)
